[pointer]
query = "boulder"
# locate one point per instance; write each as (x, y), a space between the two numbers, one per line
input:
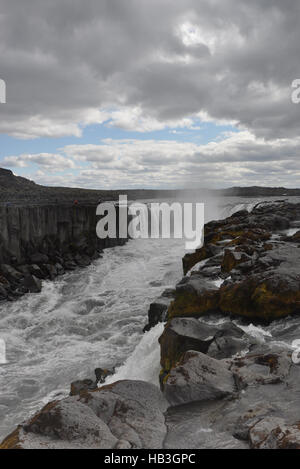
(82, 260)
(35, 270)
(70, 265)
(3, 293)
(229, 340)
(126, 414)
(198, 377)
(102, 374)
(59, 269)
(181, 335)
(232, 259)
(51, 271)
(189, 260)
(33, 284)
(82, 385)
(39, 258)
(10, 273)
(157, 312)
(194, 296)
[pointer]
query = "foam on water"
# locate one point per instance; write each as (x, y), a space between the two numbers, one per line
(89, 318)
(257, 332)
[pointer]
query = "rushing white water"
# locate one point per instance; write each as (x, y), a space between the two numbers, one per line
(86, 319)
(149, 351)
(89, 318)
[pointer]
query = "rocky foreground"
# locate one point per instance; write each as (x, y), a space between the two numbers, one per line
(220, 386)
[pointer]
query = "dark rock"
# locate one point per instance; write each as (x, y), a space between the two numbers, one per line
(39, 258)
(181, 335)
(35, 270)
(157, 312)
(33, 284)
(232, 259)
(3, 293)
(70, 265)
(81, 386)
(102, 374)
(24, 269)
(59, 268)
(51, 271)
(10, 273)
(229, 340)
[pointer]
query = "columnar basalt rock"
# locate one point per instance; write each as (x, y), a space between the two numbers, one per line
(43, 241)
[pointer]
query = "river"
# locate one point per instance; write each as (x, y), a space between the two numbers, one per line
(90, 318)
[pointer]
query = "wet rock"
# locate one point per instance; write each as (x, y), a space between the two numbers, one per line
(127, 414)
(24, 269)
(35, 270)
(82, 385)
(232, 259)
(168, 293)
(3, 293)
(70, 265)
(51, 271)
(181, 335)
(198, 377)
(39, 258)
(189, 260)
(33, 284)
(59, 269)
(229, 340)
(82, 260)
(10, 273)
(102, 374)
(194, 296)
(157, 312)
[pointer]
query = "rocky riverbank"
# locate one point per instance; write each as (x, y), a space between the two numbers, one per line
(221, 385)
(43, 242)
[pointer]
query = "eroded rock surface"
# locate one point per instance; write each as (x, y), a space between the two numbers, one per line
(198, 377)
(256, 264)
(127, 414)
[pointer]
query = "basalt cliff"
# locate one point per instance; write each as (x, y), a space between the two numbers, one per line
(229, 372)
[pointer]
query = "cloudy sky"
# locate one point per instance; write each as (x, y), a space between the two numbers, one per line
(150, 93)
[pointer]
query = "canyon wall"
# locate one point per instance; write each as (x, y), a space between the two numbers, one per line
(47, 229)
(42, 241)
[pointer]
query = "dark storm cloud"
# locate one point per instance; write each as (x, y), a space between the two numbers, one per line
(62, 59)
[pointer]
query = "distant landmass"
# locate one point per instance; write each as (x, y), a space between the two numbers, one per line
(16, 189)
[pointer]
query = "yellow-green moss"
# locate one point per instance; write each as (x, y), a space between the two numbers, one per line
(12, 441)
(193, 305)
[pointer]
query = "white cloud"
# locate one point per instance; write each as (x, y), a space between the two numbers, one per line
(49, 161)
(239, 159)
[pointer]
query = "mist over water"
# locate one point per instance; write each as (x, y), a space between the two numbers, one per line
(90, 318)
